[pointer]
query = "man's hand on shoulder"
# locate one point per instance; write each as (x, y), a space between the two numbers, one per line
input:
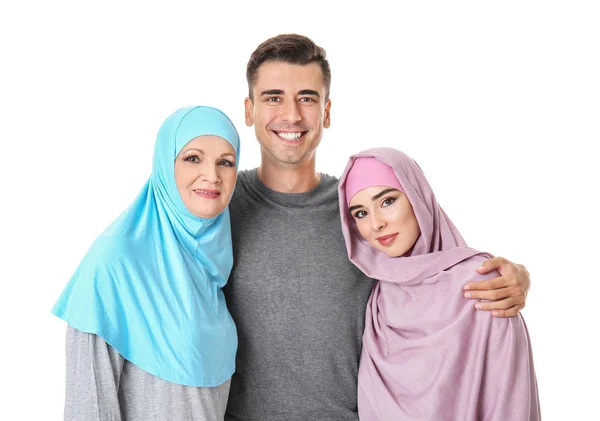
(507, 293)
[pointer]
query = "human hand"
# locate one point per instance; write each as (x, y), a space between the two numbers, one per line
(506, 294)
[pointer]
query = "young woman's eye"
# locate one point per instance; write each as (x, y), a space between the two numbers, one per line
(388, 201)
(360, 214)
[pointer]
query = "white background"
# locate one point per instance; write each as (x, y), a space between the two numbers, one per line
(499, 104)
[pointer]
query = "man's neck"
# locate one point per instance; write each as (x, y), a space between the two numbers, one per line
(298, 178)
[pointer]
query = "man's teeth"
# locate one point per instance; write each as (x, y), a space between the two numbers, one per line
(290, 136)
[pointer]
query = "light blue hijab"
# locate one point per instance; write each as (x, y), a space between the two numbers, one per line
(151, 284)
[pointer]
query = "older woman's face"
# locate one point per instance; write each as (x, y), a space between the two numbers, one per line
(385, 218)
(205, 175)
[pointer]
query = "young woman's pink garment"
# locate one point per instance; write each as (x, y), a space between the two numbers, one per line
(427, 354)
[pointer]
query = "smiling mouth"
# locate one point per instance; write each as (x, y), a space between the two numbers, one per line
(291, 136)
(208, 194)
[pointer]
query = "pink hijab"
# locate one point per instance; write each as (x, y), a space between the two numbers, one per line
(427, 354)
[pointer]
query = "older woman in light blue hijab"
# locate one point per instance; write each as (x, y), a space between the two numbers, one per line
(150, 336)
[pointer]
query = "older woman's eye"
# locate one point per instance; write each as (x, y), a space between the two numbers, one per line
(226, 163)
(192, 158)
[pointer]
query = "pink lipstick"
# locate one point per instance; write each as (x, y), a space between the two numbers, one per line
(386, 240)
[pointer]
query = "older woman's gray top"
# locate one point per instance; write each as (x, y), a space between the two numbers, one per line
(102, 385)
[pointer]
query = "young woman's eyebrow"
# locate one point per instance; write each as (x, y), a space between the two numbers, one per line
(381, 193)
(352, 208)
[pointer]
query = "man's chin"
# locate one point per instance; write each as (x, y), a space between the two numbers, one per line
(289, 159)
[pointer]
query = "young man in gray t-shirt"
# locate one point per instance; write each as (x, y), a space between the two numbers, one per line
(296, 299)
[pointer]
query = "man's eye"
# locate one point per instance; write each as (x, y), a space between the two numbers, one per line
(273, 99)
(307, 99)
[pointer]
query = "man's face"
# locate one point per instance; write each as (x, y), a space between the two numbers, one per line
(289, 111)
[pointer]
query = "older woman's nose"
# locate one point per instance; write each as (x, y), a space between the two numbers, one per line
(209, 173)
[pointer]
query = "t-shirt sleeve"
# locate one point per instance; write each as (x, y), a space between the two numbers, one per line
(93, 374)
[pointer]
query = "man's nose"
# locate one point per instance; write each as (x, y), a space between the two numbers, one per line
(291, 112)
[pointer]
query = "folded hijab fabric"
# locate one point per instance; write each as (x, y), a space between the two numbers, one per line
(427, 354)
(151, 284)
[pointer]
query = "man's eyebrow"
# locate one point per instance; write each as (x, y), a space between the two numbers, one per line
(280, 92)
(309, 92)
(272, 92)
(381, 193)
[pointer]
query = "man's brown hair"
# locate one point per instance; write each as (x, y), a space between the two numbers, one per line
(288, 48)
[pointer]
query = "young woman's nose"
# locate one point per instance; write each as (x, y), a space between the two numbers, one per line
(377, 223)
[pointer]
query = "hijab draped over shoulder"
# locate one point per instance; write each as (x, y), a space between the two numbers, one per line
(151, 284)
(427, 353)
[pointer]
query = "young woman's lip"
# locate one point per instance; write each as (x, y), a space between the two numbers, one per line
(386, 239)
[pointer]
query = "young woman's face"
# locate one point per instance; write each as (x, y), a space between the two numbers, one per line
(205, 175)
(385, 218)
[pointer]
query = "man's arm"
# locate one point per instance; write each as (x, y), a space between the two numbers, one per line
(507, 293)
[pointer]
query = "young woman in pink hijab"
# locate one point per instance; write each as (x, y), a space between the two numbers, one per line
(427, 354)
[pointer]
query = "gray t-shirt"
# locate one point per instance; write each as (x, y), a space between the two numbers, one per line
(298, 303)
(103, 386)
